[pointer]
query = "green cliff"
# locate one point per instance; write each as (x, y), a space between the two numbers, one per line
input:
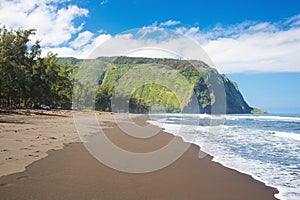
(158, 93)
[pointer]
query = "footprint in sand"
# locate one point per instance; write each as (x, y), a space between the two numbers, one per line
(22, 177)
(25, 148)
(3, 184)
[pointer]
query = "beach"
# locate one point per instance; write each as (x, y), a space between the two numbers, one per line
(42, 157)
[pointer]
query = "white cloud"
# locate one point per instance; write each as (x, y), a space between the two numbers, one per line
(151, 53)
(103, 2)
(82, 39)
(268, 52)
(252, 46)
(152, 42)
(246, 47)
(82, 52)
(293, 21)
(53, 19)
(169, 23)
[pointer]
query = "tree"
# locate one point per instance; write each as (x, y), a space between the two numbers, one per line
(103, 97)
(26, 78)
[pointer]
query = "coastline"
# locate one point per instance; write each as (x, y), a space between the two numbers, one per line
(72, 168)
(216, 159)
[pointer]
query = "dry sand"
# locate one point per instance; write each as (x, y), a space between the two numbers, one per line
(27, 135)
(72, 173)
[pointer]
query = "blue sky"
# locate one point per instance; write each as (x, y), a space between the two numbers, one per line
(116, 15)
(275, 92)
(256, 43)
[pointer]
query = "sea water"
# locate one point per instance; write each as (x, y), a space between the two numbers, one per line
(267, 147)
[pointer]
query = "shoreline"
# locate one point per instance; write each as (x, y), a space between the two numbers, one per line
(215, 160)
(188, 165)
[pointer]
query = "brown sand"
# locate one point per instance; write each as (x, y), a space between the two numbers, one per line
(72, 173)
(27, 135)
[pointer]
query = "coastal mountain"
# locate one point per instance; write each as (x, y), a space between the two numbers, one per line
(204, 84)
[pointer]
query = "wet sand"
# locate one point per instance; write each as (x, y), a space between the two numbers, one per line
(73, 173)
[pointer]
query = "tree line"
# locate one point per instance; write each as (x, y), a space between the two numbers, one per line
(26, 78)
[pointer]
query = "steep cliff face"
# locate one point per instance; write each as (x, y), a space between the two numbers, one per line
(235, 101)
(211, 91)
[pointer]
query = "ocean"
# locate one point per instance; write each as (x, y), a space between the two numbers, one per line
(267, 147)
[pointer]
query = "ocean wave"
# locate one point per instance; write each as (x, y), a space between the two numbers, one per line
(177, 116)
(287, 135)
(267, 155)
(263, 118)
(294, 136)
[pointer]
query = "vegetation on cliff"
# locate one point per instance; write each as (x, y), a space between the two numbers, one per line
(155, 95)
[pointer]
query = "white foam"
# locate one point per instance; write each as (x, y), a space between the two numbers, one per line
(263, 118)
(219, 145)
(294, 136)
(170, 115)
(231, 117)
